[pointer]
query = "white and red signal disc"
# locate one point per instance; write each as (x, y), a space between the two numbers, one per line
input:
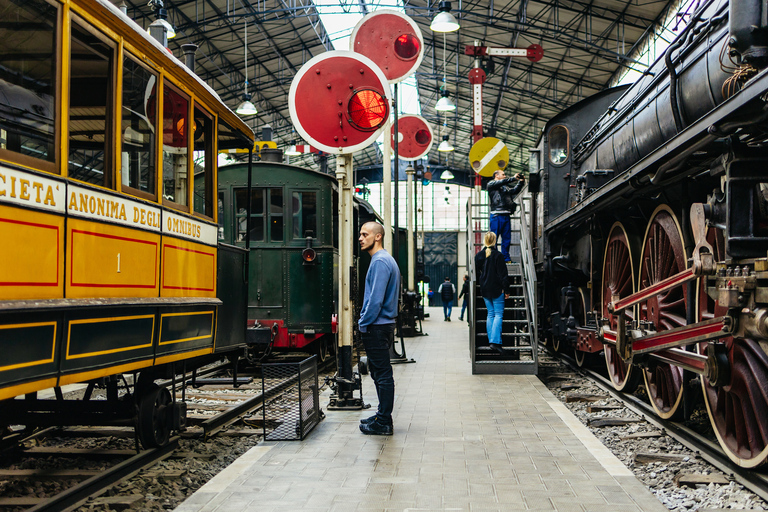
(390, 39)
(338, 102)
(415, 137)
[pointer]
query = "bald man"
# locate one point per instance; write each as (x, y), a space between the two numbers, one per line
(377, 325)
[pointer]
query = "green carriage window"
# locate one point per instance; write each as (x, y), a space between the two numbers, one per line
(90, 107)
(137, 164)
(28, 78)
(276, 214)
(266, 214)
(221, 216)
(304, 208)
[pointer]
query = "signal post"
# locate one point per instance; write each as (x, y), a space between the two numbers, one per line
(338, 103)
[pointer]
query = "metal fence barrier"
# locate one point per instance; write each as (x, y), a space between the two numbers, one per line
(293, 412)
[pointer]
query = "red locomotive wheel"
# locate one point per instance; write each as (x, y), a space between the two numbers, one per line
(618, 279)
(662, 256)
(738, 411)
(582, 358)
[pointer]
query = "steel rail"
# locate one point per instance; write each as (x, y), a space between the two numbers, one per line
(708, 450)
(79, 494)
(752, 480)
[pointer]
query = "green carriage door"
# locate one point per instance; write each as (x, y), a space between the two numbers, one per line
(267, 239)
(309, 284)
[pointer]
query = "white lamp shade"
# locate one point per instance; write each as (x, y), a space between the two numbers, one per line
(446, 175)
(444, 21)
(445, 147)
(445, 104)
(246, 108)
(292, 151)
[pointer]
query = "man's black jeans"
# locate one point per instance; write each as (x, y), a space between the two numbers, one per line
(377, 341)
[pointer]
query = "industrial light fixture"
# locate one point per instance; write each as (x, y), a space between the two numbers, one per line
(445, 147)
(246, 108)
(444, 21)
(445, 104)
(160, 29)
(292, 151)
(446, 175)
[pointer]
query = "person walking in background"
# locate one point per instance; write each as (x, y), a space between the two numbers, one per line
(447, 292)
(464, 293)
(502, 194)
(494, 282)
(377, 325)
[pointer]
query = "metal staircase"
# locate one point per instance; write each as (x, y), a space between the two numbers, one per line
(520, 321)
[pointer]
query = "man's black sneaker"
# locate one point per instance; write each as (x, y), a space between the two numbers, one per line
(497, 348)
(376, 428)
(449, 319)
(368, 421)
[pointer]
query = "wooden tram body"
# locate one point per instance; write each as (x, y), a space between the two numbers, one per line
(109, 263)
(652, 231)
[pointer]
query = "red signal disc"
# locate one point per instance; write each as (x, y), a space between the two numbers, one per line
(367, 109)
(390, 39)
(423, 137)
(407, 46)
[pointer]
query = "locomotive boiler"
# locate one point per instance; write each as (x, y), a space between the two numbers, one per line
(651, 227)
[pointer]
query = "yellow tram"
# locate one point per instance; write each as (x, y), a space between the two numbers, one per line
(109, 261)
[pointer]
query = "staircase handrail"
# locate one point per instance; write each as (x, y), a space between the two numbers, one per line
(530, 285)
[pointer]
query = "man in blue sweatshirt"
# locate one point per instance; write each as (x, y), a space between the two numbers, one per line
(377, 325)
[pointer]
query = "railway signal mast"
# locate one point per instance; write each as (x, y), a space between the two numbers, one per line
(339, 103)
(477, 77)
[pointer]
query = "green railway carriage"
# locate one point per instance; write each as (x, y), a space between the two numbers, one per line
(294, 251)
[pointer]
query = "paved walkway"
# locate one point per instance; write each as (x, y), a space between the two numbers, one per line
(462, 442)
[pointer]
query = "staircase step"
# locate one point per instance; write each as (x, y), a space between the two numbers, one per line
(489, 350)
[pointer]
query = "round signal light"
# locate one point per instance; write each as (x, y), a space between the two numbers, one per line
(367, 109)
(423, 137)
(308, 255)
(407, 46)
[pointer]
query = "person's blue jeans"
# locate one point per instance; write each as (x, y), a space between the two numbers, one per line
(501, 225)
(463, 308)
(447, 308)
(377, 341)
(495, 315)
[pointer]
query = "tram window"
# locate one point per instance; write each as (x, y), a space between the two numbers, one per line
(175, 146)
(304, 208)
(203, 155)
(137, 163)
(90, 107)
(558, 145)
(276, 214)
(27, 79)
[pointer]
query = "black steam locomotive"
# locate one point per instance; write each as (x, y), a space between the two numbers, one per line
(651, 219)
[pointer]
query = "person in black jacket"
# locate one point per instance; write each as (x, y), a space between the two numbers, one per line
(491, 272)
(464, 293)
(502, 192)
(447, 291)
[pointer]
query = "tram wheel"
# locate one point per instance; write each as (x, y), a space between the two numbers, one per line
(738, 410)
(663, 255)
(154, 420)
(618, 279)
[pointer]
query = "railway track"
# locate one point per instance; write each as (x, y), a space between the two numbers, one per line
(217, 412)
(704, 447)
